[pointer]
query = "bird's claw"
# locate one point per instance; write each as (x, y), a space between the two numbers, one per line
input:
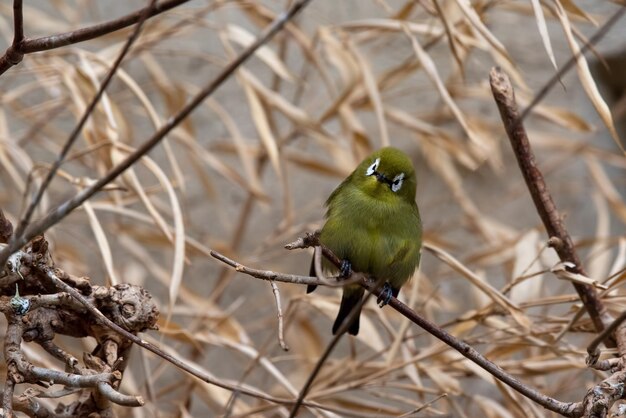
(346, 268)
(385, 295)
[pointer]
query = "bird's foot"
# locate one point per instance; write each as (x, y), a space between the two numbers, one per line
(385, 295)
(346, 268)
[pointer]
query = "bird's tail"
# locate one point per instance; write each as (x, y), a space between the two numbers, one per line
(311, 287)
(350, 300)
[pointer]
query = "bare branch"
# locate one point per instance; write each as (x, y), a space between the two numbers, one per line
(279, 311)
(13, 54)
(505, 98)
(18, 22)
(567, 409)
(592, 349)
(114, 396)
(17, 50)
(601, 397)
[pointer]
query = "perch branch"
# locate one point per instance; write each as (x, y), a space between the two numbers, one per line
(279, 277)
(568, 409)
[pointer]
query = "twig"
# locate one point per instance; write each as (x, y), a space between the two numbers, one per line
(68, 379)
(67, 207)
(16, 51)
(505, 98)
(281, 277)
(79, 126)
(13, 55)
(564, 408)
(22, 371)
(279, 312)
(426, 405)
(114, 396)
(267, 274)
(592, 350)
(18, 22)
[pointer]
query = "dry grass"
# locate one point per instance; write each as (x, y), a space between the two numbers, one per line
(250, 169)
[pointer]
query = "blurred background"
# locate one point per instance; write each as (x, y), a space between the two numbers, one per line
(250, 170)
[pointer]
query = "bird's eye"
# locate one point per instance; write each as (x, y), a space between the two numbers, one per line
(372, 168)
(396, 184)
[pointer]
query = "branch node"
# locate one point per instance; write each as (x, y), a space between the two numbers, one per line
(555, 242)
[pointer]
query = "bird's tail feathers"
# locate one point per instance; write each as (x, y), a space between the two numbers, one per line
(350, 300)
(310, 288)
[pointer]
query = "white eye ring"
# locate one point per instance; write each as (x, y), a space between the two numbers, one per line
(372, 168)
(396, 184)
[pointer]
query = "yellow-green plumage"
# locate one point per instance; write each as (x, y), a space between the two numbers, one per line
(373, 222)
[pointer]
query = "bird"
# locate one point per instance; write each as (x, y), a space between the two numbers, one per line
(373, 225)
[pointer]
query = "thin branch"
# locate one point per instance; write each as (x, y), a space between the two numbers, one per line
(114, 396)
(18, 22)
(426, 405)
(16, 52)
(13, 55)
(67, 379)
(266, 274)
(95, 31)
(568, 409)
(69, 293)
(560, 239)
(67, 207)
(592, 350)
(79, 126)
(281, 277)
(279, 312)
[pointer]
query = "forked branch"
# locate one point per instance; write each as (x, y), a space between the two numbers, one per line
(601, 397)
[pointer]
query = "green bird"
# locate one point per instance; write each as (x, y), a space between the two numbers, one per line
(373, 225)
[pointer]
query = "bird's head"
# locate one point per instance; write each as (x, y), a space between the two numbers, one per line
(387, 174)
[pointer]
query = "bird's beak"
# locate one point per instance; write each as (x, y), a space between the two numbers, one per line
(381, 178)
